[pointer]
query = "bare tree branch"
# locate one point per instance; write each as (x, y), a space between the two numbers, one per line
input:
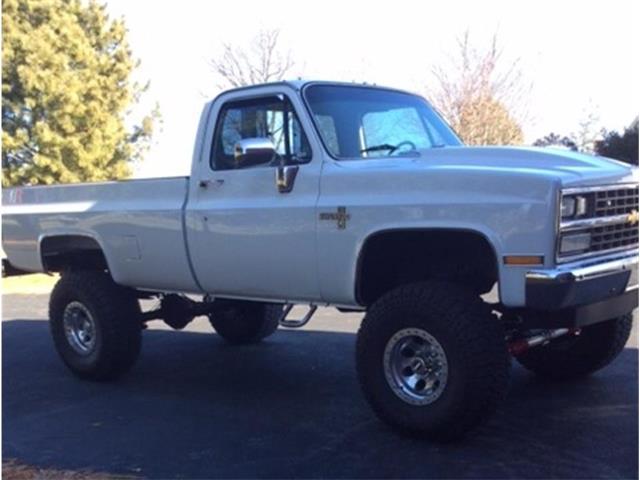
(481, 95)
(261, 62)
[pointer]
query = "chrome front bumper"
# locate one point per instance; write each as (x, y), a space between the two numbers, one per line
(593, 290)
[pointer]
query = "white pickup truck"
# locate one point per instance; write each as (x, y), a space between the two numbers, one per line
(362, 198)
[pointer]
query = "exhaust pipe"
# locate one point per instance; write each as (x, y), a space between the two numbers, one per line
(521, 345)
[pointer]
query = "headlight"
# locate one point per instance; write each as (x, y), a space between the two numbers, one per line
(575, 243)
(568, 207)
(573, 206)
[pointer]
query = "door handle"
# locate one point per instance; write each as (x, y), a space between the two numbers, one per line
(206, 183)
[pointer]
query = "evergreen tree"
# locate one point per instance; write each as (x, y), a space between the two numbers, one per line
(66, 88)
(555, 140)
(623, 146)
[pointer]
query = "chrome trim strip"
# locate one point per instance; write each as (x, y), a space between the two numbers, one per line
(598, 188)
(599, 253)
(578, 273)
(593, 222)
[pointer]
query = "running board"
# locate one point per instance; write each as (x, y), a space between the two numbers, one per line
(296, 323)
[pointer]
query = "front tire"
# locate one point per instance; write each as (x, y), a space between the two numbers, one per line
(576, 356)
(431, 359)
(240, 322)
(95, 325)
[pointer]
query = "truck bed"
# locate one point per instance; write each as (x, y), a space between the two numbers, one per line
(137, 223)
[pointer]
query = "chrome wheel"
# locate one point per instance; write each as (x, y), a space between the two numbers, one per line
(79, 328)
(415, 366)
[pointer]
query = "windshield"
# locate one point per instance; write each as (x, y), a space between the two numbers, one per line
(363, 122)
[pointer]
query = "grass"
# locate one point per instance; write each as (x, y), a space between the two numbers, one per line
(13, 470)
(29, 284)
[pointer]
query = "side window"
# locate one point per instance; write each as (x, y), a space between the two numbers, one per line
(269, 117)
(327, 128)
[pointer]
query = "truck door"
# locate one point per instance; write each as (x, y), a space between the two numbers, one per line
(248, 237)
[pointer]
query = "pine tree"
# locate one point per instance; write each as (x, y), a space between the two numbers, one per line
(66, 88)
(621, 146)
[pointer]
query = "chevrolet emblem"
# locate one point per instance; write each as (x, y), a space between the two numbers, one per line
(633, 217)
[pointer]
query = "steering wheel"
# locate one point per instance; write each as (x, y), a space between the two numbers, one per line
(402, 144)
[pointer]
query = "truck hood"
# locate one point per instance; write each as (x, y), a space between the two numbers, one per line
(571, 168)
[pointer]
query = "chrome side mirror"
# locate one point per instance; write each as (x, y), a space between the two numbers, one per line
(249, 152)
(286, 177)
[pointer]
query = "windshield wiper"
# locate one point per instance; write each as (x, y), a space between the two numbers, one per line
(378, 148)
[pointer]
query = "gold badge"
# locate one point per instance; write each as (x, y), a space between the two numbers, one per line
(341, 216)
(633, 217)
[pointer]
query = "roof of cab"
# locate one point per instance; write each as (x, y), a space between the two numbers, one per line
(299, 83)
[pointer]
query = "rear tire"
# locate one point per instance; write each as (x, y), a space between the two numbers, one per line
(240, 322)
(450, 332)
(95, 324)
(577, 356)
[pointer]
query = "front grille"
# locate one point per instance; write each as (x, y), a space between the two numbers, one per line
(613, 237)
(616, 202)
(615, 207)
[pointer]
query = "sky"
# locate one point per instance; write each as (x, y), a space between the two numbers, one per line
(578, 57)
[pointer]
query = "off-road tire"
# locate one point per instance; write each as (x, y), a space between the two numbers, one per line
(118, 328)
(240, 322)
(472, 339)
(572, 357)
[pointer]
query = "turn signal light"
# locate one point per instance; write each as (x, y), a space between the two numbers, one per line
(523, 260)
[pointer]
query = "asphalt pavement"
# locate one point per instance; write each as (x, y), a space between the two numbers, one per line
(195, 407)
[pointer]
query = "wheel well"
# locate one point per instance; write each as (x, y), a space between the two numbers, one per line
(71, 252)
(393, 258)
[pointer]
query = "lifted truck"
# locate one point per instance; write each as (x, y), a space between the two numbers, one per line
(361, 198)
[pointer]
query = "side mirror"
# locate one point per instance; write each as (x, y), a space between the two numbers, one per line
(286, 177)
(249, 152)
